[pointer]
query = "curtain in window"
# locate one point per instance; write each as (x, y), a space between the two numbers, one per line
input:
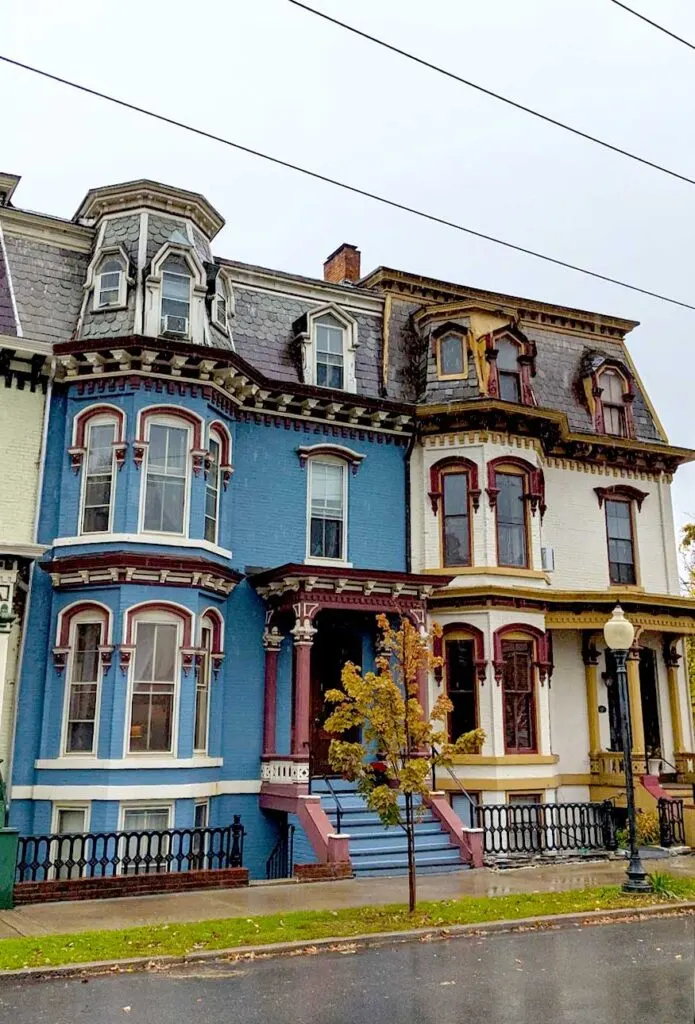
(212, 491)
(96, 509)
(82, 697)
(329, 334)
(165, 497)
(512, 547)
(154, 686)
(327, 513)
(455, 519)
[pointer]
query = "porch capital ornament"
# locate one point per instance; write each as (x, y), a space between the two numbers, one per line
(672, 655)
(60, 658)
(303, 633)
(272, 639)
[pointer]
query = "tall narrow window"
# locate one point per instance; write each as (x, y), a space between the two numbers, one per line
(330, 357)
(202, 691)
(165, 493)
(518, 697)
(456, 519)
(212, 492)
(98, 481)
(154, 687)
(614, 420)
(66, 853)
(512, 540)
(327, 510)
(621, 546)
(508, 371)
(176, 296)
(451, 356)
(83, 689)
(110, 284)
(460, 684)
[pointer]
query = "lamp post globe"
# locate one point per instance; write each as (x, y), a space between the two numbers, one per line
(619, 634)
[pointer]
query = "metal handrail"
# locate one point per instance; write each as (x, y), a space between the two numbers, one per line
(338, 808)
(453, 775)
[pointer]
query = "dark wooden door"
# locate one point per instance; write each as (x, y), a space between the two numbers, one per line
(650, 702)
(334, 644)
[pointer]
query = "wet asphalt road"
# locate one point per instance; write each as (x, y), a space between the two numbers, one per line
(639, 973)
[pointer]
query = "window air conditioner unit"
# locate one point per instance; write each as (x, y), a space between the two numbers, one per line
(174, 324)
(548, 559)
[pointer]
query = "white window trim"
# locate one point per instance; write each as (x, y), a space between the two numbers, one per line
(205, 802)
(165, 618)
(166, 421)
(98, 421)
(314, 559)
(214, 436)
(72, 761)
(145, 805)
(138, 538)
(350, 343)
(205, 622)
(189, 277)
(66, 805)
(87, 616)
(197, 295)
(97, 307)
(114, 252)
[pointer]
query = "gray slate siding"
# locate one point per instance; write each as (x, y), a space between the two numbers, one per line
(112, 323)
(160, 230)
(124, 231)
(202, 246)
(263, 335)
(7, 320)
(405, 379)
(48, 287)
(219, 339)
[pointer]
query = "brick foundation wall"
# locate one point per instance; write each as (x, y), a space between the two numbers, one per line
(132, 885)
(322, 872)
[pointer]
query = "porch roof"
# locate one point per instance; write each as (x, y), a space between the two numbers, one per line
(325, 580)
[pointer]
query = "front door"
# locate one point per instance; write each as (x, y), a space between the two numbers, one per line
(334, 644)
(650, 702)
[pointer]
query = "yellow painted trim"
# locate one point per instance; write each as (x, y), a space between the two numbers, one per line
(499, 785)
(508, 759)
(591, 673)
(633, 370)
(462, 335)
(488, 570)
(623, 588)
(385, 339)
(675, 705)
(570, 779)
(635, 701)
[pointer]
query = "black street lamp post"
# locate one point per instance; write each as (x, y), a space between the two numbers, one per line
(619, 634)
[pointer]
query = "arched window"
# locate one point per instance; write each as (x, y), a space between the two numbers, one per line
(613, 403)
(176, 296)
(218, 469)
(508, 371)
(454, 487)
(451, 356)
(327, 508)
(514, 486)
(83, 648)
(110, 289)
(208, 664)
(158, 643)
(220, 307)
(520, 652)
(169, 437)
(98, 484)
(464, 666)
(329, 350)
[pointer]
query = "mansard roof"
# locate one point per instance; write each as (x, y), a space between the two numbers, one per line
(153, 195)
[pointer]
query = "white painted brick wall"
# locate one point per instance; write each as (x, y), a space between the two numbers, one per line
(21, 425)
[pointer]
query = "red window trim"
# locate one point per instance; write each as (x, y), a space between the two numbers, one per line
(455, 463)
(628, 398)
(543, 660)
(526, 360)
(478, 638)
(184, 615)
(102, 613)
(633, 541)
(221, 431)
(176, 412)
(81, 421)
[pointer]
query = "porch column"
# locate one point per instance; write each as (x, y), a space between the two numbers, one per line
(590, 657)
(303, 634)
(422, 683)
(635, 695)
(272, 639)
(672, 658)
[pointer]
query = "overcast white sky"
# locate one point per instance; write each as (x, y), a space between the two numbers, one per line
(271, 76)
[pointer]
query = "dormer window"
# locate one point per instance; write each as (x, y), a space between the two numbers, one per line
(613, 403)
(220, 307)
(508, 371)
(451, 356)
(330, 355)
(176, 297)
(111, 283)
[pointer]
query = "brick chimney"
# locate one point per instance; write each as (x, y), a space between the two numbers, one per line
(343, 265)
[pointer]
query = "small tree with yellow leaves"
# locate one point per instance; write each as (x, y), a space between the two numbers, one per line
(399, 745)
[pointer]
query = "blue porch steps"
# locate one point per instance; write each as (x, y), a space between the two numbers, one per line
(376, 849)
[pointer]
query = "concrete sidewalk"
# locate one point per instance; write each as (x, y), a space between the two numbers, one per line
(55, 918)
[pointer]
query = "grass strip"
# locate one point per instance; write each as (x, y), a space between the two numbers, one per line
(180, 939)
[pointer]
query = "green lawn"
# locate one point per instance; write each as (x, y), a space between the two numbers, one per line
(159, 940)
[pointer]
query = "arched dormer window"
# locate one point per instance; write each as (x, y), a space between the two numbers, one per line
(512, 359)
(612, 402)
(176, 297)
(610, 391)
(83, 647)
(220, 305)
(209, 661)
(157, 649)
(111, 284)
(452, 355)
(521, 656)
(327, 499)
(217, 472)
(169, 444)
(98, 442)
(454, 488)
(328, 340)
(514, 486)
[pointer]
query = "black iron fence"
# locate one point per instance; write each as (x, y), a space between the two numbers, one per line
(280, 864)
(102, 854)
(671, 825)
(547, 828)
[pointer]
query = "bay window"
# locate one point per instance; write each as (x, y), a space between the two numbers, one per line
(176, 296)
(508, 372)
(455, 519)
(83, 688)
(98, 476)
(166, 478)
(518, 696)
(512, 524)
(202, 688)
(461, 687)
(212, 491)
(329, 336)
(327, 509)
(154, 686)
(111, 285)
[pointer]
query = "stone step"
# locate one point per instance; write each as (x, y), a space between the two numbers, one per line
(395, 845)
(393, 862)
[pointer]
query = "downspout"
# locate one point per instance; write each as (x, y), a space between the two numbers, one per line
(408, 453)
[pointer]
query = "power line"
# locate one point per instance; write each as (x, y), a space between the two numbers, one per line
(654, 24)
(496, 95)
(341, 184)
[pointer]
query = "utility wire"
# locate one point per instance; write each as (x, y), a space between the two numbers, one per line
(654, 24)
(341, 184)
(498, 96)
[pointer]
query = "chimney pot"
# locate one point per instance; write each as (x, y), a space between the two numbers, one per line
(343, 265)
